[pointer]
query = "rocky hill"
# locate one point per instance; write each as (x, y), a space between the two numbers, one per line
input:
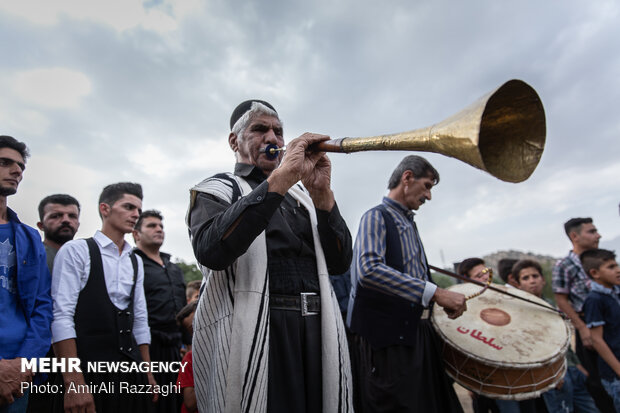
(546, 261)
(491, 260)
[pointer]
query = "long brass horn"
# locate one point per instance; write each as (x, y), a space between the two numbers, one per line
(502, 133)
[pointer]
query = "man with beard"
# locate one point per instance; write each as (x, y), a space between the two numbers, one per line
(164, 290)
(59, 216)
(25, 301)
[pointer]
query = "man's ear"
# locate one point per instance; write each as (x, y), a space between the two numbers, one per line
(233, 141)
(136, 235)
(406, 177)
(104, 209)
(40, 225)
(573, 236)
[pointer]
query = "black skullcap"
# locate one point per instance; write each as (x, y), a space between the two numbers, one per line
(244, 107)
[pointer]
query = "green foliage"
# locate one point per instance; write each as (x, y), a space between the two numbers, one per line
(442, 281)
(547, 291)
(190, 270)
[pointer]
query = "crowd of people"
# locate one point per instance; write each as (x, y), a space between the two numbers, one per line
(96, 299)
(265, 331)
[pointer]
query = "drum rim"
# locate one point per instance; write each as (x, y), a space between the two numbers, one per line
(515, 396)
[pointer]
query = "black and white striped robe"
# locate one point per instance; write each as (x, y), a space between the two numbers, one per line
(231, 325)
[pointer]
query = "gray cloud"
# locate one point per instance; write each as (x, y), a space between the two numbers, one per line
(160, 102)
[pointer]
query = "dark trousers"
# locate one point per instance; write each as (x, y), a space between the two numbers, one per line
(166, 348)
(404, 379)
(589, 359)
(295, 379)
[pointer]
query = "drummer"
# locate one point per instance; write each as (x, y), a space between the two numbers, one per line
(395, 346)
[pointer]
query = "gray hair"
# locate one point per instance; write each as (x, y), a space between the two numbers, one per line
(256, 109)
(420, 168)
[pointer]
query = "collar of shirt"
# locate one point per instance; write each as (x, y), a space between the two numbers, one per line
(245, 170)
(604, 290)
(12, 215)
(164, 256)
(575, 258)
(108, 245)
(399, 207)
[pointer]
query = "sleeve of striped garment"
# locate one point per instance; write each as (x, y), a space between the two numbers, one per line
(376, 274)
(222, 232)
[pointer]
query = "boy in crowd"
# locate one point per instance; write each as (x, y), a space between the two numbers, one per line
(602, 314)
(192, 291)
(475, 269)
(185, 319)
(504, 269)
(571, 394)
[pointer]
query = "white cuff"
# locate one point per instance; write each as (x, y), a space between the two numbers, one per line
(429, 292)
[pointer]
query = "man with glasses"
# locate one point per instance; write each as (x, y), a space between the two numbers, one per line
(25, 301)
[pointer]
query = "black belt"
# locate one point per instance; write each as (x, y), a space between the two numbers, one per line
(306, 303)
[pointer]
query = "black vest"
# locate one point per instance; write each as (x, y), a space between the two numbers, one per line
(104, 332)
(386, 319)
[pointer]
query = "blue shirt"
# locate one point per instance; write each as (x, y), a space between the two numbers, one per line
(13, 324)
(602, 308)
(369, 267)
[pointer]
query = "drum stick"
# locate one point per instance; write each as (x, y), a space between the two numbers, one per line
(491, 287)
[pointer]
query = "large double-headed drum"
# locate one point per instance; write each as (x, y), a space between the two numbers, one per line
(502, 347)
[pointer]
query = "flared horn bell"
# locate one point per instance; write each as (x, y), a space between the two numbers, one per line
(502, 133)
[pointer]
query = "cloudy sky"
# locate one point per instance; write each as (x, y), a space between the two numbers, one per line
(130, 90)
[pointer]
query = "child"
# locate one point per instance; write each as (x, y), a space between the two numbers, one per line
(602, 314)
(192, 291)
(528, 277)
(475, 269)
(570, 393)
(186, 378)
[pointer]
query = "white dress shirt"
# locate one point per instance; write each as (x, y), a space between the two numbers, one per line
(70, 275)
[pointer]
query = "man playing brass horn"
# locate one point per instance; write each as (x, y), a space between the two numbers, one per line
(268, 334)
(396, 348)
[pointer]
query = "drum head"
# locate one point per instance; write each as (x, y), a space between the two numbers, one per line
(500, 330)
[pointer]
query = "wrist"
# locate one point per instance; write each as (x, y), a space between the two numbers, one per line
(280, 181)
(73, 377)
(323, 200)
